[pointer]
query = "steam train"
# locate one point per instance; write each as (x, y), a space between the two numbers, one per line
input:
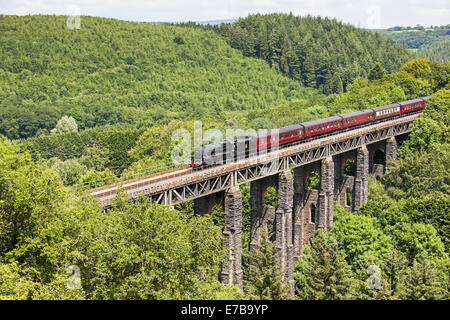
(246, 146)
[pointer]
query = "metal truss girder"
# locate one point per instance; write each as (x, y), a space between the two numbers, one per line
(240, 175)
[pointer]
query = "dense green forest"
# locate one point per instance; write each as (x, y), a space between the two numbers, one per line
(437, 52)
(89, 132)
(319, 52)
(433, 43)
(90, 156)
(112, 71)
(403, 228)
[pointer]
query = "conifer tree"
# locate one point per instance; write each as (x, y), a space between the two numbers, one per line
(422, 281)
(394, 268)
(263, 277)
(376, 72)
(323, 270)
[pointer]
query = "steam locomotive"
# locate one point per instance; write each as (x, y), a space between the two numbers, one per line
(246, 146)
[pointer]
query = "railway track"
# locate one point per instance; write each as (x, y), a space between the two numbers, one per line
(152, 183)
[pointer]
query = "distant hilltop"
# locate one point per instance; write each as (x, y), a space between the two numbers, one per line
(210, 22)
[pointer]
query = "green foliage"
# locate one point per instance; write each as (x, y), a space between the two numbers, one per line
(419, 68)
(359, 239)
(94, 179)
(413, 239)
(431, 42)
(27, 195)
(409, 177)
(432, 210)
(439, 52)
(271, 197)
(246, 217)
(218, 216)
(129, 252)
(65, 124)
(422, 281)
(57, 290)
(70, 170)
(157, 252)
(393, 268)
(427, 135)
(319, 52)
(376, 73)
(112, 71)
(349, 168)
(438, 107)
(263, 277)
(322, 273)
(13, 284)
(313, 181)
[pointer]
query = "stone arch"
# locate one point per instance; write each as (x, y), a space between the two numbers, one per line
(349, 168)
(379, 157)
(304, 197)
(204, 205)
(373, 148)
(270, 196)
(262, 212)
(378, 163)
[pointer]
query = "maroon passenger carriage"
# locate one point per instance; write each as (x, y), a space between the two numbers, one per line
(247, 146)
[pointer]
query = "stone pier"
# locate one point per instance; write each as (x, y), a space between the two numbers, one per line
(232, 273)
(283, 225)
(326, 195)
(361, 178)
(391, 151)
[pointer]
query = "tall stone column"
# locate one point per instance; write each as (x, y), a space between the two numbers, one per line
(338, 175)
(361, 178)
(232, 273)
(283, 225)
(326, 194)
(391, 151)
(299, 198)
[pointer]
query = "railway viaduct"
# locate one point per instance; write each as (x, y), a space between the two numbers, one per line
(301, 210)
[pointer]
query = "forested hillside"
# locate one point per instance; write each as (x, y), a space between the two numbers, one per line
(318, 52)
(403, 229)
(104, 100)
(439, 51)
(111, 71)
(433, 42)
